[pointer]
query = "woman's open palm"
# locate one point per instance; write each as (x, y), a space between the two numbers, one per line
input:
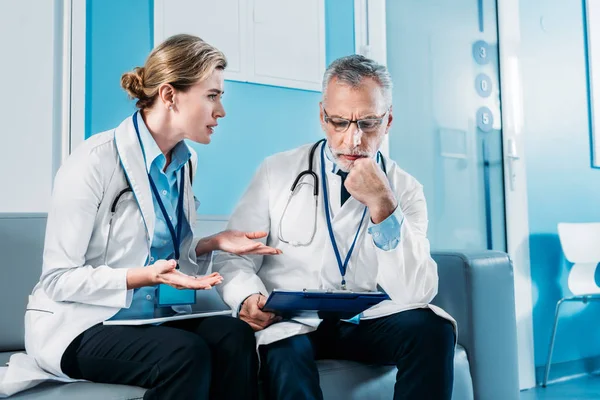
(167, 274)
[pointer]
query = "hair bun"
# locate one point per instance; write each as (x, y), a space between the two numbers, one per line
(133, 83)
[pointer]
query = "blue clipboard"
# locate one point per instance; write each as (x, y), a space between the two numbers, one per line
(323, 304)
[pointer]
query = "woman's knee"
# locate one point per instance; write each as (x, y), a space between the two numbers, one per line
(239, 334)
(185, 367)
(187, 350)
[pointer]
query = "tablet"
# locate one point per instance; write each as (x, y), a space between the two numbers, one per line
(323, 304)
(160, 320)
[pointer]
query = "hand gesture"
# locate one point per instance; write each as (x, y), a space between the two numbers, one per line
(242, 243)
(163, 271)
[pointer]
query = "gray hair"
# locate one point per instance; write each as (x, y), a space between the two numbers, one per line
(351, 70)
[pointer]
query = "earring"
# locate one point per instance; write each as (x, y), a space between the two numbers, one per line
(171, 107)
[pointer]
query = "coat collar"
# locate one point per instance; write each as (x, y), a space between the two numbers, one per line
(132, 161)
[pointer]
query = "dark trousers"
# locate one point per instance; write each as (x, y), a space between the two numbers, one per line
(204, 358)
(418, 342)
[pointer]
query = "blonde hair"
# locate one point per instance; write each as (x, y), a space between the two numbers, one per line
(181, 60)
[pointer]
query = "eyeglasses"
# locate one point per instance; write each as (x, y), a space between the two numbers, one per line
(367, 125)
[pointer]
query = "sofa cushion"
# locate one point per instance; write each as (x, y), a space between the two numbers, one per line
(339, 379)
(351, 380)
(21, 246)
(81, 390)
(77, 390)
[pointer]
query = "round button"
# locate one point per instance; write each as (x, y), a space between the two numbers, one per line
(481, 52)
(164, 192)
(376, 234)
(483, 85)
(148, 297)
(485, 119)
(171, 217)
(151, 258)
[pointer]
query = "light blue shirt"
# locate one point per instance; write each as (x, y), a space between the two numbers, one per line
(386, 234)
(167, 184)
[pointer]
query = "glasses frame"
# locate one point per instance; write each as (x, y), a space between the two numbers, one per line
(358, 122)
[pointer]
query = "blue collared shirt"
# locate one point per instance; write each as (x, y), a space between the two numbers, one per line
(167, 184)
(386, 234)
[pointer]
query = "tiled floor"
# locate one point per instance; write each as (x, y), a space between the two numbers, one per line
(575, 389)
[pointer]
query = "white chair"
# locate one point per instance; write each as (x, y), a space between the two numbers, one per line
(580, 243)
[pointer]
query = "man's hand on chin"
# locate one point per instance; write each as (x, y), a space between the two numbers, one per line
(367, 183)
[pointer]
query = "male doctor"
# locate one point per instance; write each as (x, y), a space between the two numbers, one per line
(367, 229)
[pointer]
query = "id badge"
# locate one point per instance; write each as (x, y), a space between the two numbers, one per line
(169, 296)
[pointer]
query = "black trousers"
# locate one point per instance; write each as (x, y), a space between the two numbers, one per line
(204, 358)
(418, 342)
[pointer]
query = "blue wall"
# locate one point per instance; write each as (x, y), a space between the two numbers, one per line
(561, 185)
(260, 121)
(115, 43)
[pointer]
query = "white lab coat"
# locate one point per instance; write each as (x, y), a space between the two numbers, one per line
(407, 273)
(80, 286)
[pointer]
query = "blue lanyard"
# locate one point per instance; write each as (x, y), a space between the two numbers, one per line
(175, 237)
(342, 266)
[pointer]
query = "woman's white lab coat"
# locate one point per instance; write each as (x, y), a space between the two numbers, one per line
(83, 279)
(407, 273)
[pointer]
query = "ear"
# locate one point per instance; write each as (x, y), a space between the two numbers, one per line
(390, 119)
(166, 94)
(322, 115)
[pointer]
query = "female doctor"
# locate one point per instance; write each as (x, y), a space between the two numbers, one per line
(121, 223)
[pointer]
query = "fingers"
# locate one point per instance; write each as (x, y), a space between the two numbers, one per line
(256, 235)
(165, 266)
(260, 318)
(253, 310)
(208, 281)
(182, 281)
(255, 327)
(262, 300)
(261, 249)
(251, 313)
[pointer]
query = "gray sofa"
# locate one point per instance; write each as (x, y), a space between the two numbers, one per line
(475, 287)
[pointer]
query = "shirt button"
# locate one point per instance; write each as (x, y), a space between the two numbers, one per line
(148, 297)
(164, 192)
(376, 234)
(170, 218)
(151, 258)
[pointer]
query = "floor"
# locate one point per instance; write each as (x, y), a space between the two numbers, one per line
(580, 388)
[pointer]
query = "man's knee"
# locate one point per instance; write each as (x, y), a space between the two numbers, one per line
(289, 370)
(436, 331)
(426, 331)
(295, 349)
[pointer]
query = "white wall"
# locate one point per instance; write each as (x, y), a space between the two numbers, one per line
(30, 105)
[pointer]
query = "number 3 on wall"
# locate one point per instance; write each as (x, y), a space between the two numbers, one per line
(481, 51)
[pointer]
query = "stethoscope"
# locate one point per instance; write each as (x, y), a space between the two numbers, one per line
(296, 186)
(116, 201)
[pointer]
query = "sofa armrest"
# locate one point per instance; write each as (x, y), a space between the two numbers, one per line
(477, 289)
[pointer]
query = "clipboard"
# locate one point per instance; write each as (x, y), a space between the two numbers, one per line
(322, 304)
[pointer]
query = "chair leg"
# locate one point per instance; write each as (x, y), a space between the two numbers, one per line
(549, 361)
